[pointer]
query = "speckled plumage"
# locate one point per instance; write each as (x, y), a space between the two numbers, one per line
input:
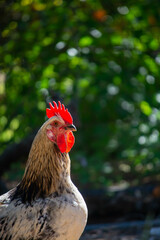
(46, 204)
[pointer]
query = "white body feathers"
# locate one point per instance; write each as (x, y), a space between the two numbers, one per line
(54, 218)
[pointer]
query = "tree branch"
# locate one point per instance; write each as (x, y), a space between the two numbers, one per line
(14, 152)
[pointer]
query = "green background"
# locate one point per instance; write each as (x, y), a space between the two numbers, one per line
(102, 60)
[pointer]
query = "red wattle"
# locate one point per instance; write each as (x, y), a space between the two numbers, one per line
(65, 142)
(70, 141)
(61, 142)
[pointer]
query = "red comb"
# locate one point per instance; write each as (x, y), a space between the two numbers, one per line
(59, 110)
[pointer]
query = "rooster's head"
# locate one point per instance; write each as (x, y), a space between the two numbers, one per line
(60, 127)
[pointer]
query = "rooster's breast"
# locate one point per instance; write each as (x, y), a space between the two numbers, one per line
(53, 218)
(69, 217)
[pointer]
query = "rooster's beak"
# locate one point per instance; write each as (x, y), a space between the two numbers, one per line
(71, 128)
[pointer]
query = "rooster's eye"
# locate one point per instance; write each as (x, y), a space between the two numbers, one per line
(55, 124)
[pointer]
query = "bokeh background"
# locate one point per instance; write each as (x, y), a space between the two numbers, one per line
(102, 60)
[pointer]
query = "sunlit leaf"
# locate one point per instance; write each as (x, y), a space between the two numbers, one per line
(145, 108)
(85, 41)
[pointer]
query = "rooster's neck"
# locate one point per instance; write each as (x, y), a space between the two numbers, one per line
(47, 170)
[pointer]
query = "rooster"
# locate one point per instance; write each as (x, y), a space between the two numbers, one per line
(46, 204)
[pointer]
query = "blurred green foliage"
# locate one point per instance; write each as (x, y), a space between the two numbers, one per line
(104, 56)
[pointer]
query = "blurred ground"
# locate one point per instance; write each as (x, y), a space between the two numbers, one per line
(134, 203)
(129, 214)
(137, 230)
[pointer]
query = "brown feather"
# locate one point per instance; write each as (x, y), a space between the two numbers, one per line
(46, 169)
